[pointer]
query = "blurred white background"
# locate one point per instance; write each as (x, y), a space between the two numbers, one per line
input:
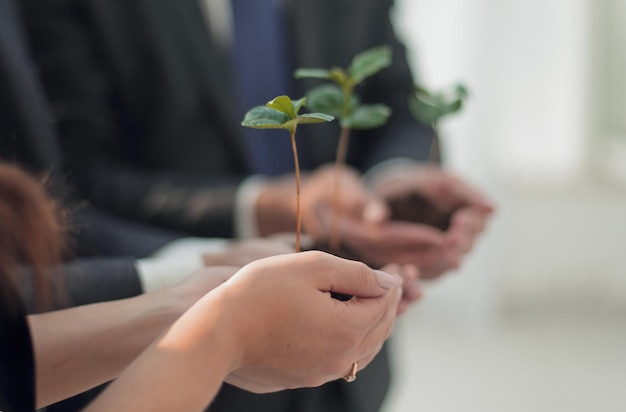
(536, 318)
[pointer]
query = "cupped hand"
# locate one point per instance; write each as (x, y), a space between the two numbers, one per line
(471, 213)
(292, 333)
(201, 282)
(276, 206)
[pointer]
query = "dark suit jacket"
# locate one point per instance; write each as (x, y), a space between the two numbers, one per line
(142, 100)
(28, 140)
(145, 103)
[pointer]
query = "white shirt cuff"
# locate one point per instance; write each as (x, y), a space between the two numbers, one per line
(246, 225)
(175, 261)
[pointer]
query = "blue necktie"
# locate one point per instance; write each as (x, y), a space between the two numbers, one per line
(261, 73)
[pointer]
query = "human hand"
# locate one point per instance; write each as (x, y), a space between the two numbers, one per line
(358, 238)
(411, 289)
(276, 206)
(468, 207)
(195, 286)
(289, 330)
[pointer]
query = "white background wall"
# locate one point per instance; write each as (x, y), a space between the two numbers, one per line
(548, 279)
(525, 136)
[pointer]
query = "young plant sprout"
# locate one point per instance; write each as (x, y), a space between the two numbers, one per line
(282, 113)
(340, 101)
(428, 108)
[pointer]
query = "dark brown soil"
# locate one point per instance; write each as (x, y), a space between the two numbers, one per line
(418, 209)
(413, 208)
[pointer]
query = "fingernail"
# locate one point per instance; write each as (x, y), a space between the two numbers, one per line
(385, 280)
(374, 212)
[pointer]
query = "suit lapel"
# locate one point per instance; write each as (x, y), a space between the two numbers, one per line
(22, 101)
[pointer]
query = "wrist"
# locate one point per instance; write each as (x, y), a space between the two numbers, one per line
(276, 207)
(165, 305)
(221, 330)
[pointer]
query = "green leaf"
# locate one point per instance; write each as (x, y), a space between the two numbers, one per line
(339, 76)
(282, 104)
(451, 107)
(369, 62)
(312, 73)
(262, 117)
(425, 111)
(461, 91)
(336, 74)
(428, 107)
(307, 118)
(298, 104)
(311, 118)
(328, 99)
(281, 113)
(367, 116)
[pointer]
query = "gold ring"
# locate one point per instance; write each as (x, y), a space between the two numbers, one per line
(350, 377)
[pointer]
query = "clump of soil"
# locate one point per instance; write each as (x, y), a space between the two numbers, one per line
(416, 208)
(413, 208)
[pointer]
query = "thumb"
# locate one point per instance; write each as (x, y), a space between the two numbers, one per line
(358, 279)
(376, 210)
(359, 201)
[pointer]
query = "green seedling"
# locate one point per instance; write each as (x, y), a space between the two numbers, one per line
(282, 113)
(429, 108)
(340, 101)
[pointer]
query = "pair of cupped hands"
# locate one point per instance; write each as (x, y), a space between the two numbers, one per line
(289, 331)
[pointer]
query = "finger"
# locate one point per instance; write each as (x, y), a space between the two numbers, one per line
(411, 294)
(411, 290)
(437, 269)
(353, 195)
(357, 279)
(392, 268)
(382, 327)
(404, 255)
(466, 224)
(432, 263)
(407, 272)
(359, 364)
(468, 195)
(390, 234)
(362, 363)
(469, 218)
(376, 211)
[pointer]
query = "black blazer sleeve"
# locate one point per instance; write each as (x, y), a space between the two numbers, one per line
(138, 137)
(85, 281)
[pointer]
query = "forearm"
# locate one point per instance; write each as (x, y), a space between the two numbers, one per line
(195, 203)
(79, 348)
(182, 370)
